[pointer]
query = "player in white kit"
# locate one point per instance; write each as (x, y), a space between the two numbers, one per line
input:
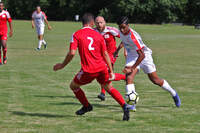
(139, 56)
(38, 20)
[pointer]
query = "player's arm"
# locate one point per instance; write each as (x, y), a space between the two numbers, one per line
(33, 24)
(67, 60)
(107, 59)
(121, 45)
(125, 53)
(139, 59)
(11, 28)
(46, 21)
(109, 64)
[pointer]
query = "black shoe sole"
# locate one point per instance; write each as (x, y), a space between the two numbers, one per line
(101, 97)
(83, 112)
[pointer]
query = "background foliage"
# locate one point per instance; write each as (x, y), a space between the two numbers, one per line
(139, 11)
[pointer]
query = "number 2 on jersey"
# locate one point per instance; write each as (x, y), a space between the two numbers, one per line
(90, 44)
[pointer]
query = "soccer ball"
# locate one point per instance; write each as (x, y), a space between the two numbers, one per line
(132, 98)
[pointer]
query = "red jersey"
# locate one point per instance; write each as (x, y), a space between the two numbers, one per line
(91, 47)
(4, 17)
(109, 35)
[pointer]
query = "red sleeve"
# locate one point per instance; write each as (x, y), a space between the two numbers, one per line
(9, 20)
(73, 43)
(103, 45)
(139, 47)
(44, 15)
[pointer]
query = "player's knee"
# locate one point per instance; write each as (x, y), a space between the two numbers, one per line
(72, 86)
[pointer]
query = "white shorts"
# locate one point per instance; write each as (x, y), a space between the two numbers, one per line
(40, 30)
(146, 65)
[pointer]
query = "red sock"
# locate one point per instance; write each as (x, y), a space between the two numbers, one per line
(116, 95)
(4, 52)
(119, 76)
(80, 95)
(103, 91)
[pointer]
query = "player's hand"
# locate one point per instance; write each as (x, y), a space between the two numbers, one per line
(128, 70)
(111, 76)
(115, 54)
(57, 66)
(49, 27)
(10, 34)
(33, 26)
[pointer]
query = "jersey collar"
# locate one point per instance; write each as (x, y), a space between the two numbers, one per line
(87, 27)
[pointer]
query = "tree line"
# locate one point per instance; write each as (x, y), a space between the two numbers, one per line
(139, 11)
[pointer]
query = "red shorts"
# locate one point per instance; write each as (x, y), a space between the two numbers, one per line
(83, 78)
(3, 37)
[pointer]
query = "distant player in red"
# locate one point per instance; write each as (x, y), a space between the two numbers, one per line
(95, 62)
(109, 34)
(4, 18)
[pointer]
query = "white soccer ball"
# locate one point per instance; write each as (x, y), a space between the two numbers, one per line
(132, 98)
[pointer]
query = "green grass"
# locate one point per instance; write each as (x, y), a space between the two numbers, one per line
(35, 99)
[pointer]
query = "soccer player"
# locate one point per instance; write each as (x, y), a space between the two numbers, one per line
(38, 20)
(95, 62)
(140, 56)
(109, 34)
(4, 18)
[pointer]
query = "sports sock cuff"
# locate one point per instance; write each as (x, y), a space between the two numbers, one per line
(130, 88)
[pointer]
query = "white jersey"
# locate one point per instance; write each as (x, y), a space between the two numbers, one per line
(133, 42)
(39, 18)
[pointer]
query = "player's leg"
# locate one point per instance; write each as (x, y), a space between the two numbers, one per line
(80, 95)
(118, 97)
(118, 77)
(149, 68)
(4, 46)
(39, 42)
(101, 96)
(103, 80)
(42, 33)
(130, 86)
(165, 85)
(81, 78)
(40, 37)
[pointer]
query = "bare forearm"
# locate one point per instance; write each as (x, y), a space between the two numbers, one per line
(119, 47)
(11, 27)
(108, 61)
(33, 24)
(68, 59)
(139, 59)
(46, 21)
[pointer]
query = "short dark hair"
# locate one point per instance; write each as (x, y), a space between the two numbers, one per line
(122, 20)
(87, 18)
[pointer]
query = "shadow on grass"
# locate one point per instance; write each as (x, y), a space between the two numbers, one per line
(20, 113)
(153, 106)
(95, 105)
(46, 96)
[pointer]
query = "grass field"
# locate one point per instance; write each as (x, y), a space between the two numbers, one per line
(35, 99)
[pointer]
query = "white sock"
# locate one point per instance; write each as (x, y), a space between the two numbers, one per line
(44, 42)
(39, 44)
(130, 88)
(168, 88)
